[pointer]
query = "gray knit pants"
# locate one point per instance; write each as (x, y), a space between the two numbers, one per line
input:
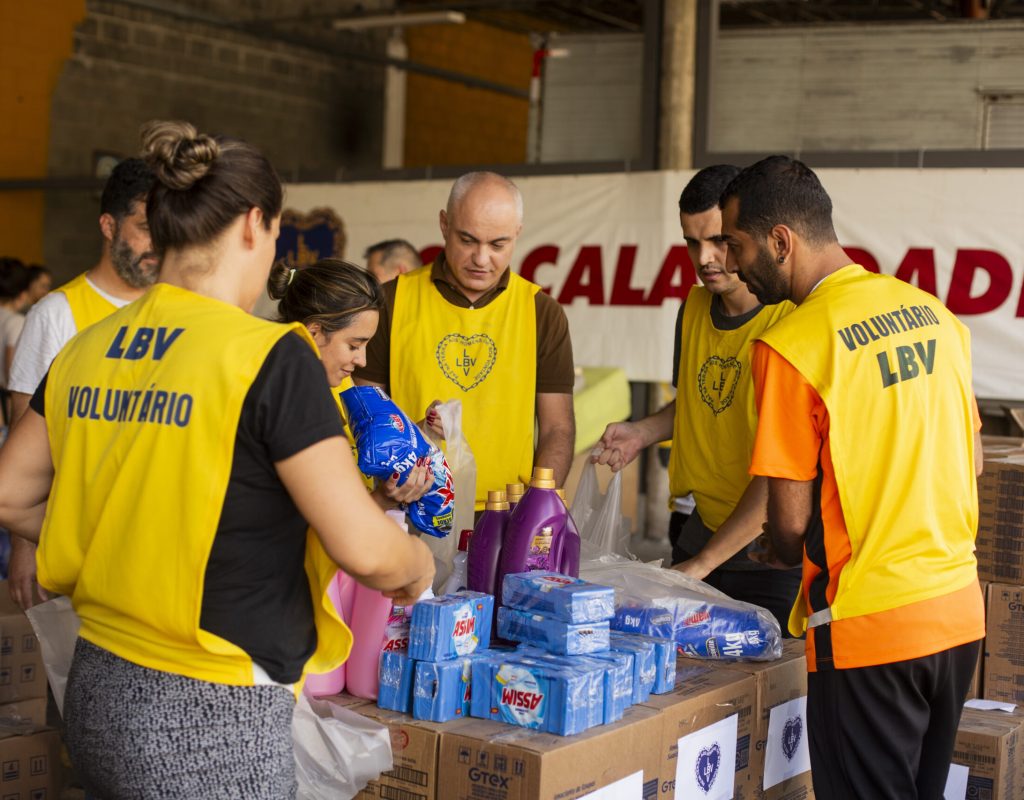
(138, 733)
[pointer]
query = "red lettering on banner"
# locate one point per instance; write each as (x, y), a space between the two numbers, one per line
(677, 262)
(623, 293)
(967, 263)
(862, 257)
(1020, 304)
(587, 265)
(545, 254)
(919, 261)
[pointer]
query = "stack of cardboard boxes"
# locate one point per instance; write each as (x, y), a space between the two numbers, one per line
(991, 742)
(30, 766)
(716, 734)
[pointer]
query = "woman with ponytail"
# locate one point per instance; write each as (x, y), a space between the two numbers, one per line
(340, 304)
(171, 465)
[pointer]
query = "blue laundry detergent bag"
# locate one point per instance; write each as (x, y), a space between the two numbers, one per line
(387, 442)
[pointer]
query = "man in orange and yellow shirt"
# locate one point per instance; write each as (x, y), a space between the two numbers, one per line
(868, 434)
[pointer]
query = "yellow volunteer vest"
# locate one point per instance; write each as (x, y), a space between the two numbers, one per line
(713, 437)
(87, 305)
(893, 368)
(485, 357)
(142, 415)
(336, 392)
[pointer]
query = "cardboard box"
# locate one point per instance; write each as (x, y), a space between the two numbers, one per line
(30, 767)
(1004, 643)
(1000, 542)
(705, 694)
(21, 662)
(415, 746)
(486, 760)
(988, 743)
(23, 714)
(777, 682)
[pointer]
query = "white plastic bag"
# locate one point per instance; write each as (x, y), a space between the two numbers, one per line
(598, 517)
(56, 625)
(337, 751)
(463, 467)
(703, 622)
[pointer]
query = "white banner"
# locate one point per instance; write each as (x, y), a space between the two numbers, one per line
(609, 248)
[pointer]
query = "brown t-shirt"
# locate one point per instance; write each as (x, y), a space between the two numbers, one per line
(554, 347)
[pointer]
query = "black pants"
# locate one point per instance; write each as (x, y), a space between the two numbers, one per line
(887, 732)
(772, 589)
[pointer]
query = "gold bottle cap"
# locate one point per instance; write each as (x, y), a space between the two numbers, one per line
(515, 491)
(561, 494)
(543, 478)
(496, 500)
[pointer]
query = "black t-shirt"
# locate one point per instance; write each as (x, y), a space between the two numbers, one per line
(256, 594)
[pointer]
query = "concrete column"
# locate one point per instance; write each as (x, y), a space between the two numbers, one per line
(678, 74)
(393, 152)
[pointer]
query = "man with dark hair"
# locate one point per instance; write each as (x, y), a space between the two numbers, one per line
(127, 267)
(869, 437)
(712, 420)
(393, 257)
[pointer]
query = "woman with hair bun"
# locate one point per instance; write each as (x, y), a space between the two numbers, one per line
(340, 304)
(173, 466)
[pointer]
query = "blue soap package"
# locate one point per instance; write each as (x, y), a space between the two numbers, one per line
(553, 635)
(442, 689)
(560, 596)
(645, 670)
(542, 697)
(648, 620)
(395, 682)
(664, 658)
(622, 671)
(612, 685)
(450, 626)
(387, 442)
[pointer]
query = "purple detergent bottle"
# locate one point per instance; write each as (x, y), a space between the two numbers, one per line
(485, 544)
(533, 538)
(568, 559)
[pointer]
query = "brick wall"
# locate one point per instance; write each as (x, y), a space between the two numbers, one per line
(451, 124)
(311, 114)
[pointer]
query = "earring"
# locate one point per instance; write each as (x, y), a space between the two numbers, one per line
(782, 259)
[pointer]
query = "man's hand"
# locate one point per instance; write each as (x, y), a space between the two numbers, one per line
(620, 444)
(21, 582)
(694, 568)
(762, 550)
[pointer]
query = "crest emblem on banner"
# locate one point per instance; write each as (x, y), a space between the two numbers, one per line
(306, 238)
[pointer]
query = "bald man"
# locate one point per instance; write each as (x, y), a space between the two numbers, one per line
(467, 327)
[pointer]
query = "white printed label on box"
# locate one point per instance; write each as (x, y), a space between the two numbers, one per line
(629, 788)
(786, 753)
(956, 783)
(706, 764)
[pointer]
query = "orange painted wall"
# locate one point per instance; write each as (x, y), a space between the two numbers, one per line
(450, 124)
(35, 40)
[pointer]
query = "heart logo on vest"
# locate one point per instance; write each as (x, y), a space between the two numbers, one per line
(717, 382)
(707, 766)
(791, 733)
(466, 360)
